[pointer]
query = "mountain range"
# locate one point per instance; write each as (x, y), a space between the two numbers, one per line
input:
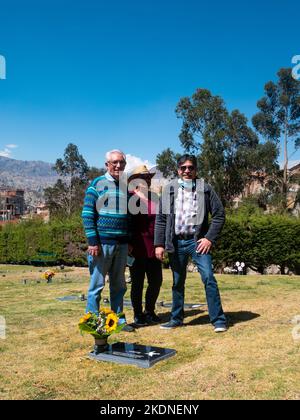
(31, 176)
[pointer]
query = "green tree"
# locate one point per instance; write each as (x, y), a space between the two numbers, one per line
(66, 196)
(228, 150)
(94, 172)
(279, 116)
(167, 163)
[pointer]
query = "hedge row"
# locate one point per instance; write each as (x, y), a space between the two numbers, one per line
(22, 243)
(259, 241)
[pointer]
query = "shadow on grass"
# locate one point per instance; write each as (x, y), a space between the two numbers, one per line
(165, 317)
(232, 318)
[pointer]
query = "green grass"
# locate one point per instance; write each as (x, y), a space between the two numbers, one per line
(45, 357)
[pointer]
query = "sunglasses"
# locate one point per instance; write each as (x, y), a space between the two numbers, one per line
(189, 167)
(115, 162)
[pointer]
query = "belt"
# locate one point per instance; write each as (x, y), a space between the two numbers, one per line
(185, 237)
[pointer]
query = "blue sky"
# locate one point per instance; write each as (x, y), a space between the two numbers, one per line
(108, 75)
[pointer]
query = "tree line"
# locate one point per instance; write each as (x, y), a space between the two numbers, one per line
(65, 198)
(258, 240)
(230, 153)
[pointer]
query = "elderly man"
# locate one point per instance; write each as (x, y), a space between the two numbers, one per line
(105, 220)
(182, 229)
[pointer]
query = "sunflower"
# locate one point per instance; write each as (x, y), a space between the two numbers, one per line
(111, 322)
(48, 274)
(85, 318)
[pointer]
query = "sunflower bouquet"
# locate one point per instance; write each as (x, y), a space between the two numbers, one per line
(48, 275)
(102, 325)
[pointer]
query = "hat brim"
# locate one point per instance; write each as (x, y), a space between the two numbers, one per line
(141, 175)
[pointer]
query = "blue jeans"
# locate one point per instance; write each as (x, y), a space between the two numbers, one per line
(112, 260)
(178, 261)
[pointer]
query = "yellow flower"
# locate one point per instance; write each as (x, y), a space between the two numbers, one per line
(85, 318)
(111, 322)
(48, 274)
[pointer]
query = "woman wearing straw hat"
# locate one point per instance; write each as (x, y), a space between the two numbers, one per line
(145, 262)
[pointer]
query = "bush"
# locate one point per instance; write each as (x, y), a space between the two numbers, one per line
(258, 240)
(21, 243)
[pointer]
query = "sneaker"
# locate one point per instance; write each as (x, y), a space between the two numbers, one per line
(170, 325)
(152, 318)
(220, 329)
(140, 320)
(128, 328)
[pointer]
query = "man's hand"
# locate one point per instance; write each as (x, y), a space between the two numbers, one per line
(94, 251)
(160, 253)
(204, 246)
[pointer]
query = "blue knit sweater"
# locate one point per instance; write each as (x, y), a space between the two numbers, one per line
(104, 214)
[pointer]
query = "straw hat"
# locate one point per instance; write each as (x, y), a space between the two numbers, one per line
(140, 170)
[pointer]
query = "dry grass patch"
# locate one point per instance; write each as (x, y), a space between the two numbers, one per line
(45, 357)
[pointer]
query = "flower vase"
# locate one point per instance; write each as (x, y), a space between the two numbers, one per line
(100, 345)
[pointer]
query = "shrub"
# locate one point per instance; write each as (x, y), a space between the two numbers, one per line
(258, 240)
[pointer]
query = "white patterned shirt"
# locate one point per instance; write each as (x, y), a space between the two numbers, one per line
(185, 210)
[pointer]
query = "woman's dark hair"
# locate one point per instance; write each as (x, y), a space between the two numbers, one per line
(186, 157)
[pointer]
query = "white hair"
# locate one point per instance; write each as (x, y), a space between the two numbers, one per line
(108, 154)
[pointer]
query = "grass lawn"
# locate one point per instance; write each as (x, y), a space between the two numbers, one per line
(45, 357)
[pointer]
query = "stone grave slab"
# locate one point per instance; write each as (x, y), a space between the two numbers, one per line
(68, 298)
(133, 354)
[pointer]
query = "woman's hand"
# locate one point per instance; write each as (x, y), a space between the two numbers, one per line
(94, 251)
(160, 253)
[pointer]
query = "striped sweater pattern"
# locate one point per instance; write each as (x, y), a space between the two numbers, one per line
(104, 213)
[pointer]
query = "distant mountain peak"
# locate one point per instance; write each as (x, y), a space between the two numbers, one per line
(29, 175)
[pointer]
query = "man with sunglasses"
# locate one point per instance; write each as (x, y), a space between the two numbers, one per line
(182, 229)
(106, 223)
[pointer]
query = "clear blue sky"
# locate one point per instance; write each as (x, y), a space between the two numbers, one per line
(108, 74)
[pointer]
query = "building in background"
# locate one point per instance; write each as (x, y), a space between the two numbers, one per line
(12, 204)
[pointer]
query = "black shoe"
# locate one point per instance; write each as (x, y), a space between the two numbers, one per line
(170, 325)
(152, 318)
(128, 328)
(140, 320)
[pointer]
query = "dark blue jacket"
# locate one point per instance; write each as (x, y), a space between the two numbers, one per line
(165, 223)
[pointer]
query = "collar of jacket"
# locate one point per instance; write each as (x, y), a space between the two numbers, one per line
(111, 178)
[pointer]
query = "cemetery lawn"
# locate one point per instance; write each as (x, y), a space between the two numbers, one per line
(45, 357)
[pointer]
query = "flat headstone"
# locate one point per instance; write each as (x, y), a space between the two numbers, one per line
(186, 305)
(194, 305)
(133, 354)
(68, 298)
(169, 305)
(128, 303)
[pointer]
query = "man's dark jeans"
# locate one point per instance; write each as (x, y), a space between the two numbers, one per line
(152, 268)
(179, 260)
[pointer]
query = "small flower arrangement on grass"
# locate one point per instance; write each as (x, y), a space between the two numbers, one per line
(48, 275)
(102, 326)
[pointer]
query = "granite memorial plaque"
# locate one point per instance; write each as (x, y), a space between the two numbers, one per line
(169, 305)
(186, 305)
(133, 354)
(68, 298)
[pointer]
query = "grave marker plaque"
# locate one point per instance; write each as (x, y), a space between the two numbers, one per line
(133, 354)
